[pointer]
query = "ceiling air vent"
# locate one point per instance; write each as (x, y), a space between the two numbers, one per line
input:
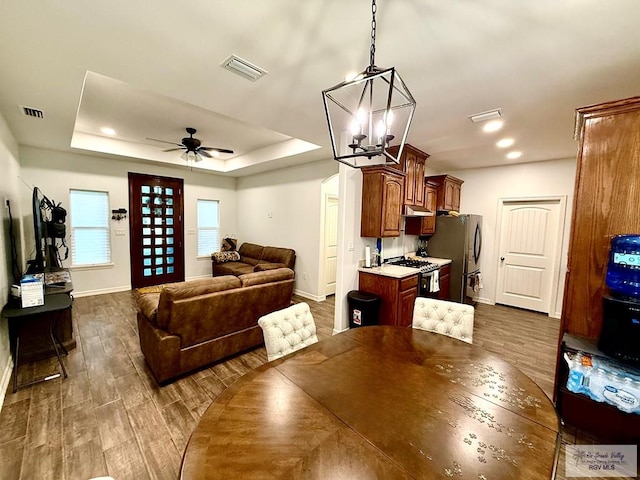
(488, 115)
(243, 68)
(32, 112)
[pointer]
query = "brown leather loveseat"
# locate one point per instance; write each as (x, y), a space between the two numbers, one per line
(254, 258)
(188, 325)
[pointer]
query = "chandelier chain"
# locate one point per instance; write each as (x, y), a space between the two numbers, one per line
(372, 55)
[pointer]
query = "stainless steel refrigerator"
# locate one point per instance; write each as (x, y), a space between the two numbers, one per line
(460, 239)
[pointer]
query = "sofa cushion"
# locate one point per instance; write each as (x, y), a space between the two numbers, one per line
(287, 256)
(223, 257)
(263, 267)
(181, 290)
(250, 253)
(231, 268)
(258, 278)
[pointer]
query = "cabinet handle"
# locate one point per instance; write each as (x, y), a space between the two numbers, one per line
(502, 259)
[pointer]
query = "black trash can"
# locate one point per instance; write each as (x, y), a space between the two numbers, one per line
(363, 308)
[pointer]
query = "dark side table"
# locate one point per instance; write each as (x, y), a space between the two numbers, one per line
(54, 307)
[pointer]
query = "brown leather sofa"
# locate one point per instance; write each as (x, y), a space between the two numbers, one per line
(254, 258)
(188, 325)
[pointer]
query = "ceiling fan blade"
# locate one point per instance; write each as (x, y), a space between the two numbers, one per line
(174, 149)
(204, 153)
(221, 150)
(163, 141)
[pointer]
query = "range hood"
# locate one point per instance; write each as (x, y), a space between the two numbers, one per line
(415, 211)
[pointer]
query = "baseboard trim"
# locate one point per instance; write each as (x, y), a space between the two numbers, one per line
(483, 300)
(315, 298)
(6, 378)
(102, 291)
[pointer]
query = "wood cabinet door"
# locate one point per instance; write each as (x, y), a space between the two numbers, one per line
(392, 190)
(445, 282)
(406, 303)
(382, 195)
(410, 179)
(455, 202)
(448, 195)
(431, 198)
(419, 195)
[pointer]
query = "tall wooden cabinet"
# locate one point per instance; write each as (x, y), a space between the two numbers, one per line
(606, 200)
(382, 196)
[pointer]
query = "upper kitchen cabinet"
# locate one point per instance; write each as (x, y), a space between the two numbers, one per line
(412, 162)
(449, 188)
(382, 194)
(424, 225)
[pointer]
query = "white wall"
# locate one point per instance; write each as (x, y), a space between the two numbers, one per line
(55, 173)
(9, 190)
(283, 208)
(481, 192)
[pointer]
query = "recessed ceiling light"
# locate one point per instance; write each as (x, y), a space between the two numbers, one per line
(513, 155)
(108, 131)
(505, 142)
(492, 126)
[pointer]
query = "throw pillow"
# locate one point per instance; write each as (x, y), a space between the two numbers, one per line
(222, 257)
(229, 244)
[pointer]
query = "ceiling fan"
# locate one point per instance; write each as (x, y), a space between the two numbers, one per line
(193, 149)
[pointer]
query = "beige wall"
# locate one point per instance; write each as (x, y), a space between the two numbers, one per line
(9, 190)
(484, 187)
(55, 173)
(283, 208)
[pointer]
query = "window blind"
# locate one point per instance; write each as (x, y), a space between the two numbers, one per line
(89, 227)
(208, 227)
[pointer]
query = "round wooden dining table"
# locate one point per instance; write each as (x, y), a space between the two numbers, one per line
(378, 402)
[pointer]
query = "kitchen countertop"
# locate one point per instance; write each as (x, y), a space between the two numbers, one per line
(397, 271)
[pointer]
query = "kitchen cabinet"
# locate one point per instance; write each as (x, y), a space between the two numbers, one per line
(412, 163)
(382, 193)
(397, 296)
(424, 225)
(449, 189)
(608, 168)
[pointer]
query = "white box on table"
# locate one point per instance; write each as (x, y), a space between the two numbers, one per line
(32, 291)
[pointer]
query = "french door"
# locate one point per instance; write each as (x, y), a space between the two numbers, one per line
(156, 230)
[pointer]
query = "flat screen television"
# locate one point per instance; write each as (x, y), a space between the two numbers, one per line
(45, 251)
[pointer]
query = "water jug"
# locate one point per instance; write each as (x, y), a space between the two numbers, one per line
(623, 270)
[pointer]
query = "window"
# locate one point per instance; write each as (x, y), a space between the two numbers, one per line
(208, 227)
(89, 227)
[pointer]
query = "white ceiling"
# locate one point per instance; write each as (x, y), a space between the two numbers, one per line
(150, 69)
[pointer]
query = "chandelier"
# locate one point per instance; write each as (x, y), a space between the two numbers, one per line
(369, 116)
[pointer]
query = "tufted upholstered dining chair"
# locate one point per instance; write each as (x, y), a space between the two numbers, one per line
(288, 330)
(447, 318)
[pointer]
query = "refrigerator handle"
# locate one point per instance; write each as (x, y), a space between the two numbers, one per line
(477, 244)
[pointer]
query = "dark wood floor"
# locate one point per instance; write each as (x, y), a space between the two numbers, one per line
(110, 418)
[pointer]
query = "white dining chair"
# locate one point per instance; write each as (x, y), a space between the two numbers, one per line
(447, 318)
(288, 330)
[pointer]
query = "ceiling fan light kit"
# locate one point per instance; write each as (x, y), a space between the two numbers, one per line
(193, 151)
(369, 116)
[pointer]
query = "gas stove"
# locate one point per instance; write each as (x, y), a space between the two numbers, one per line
(423, 264)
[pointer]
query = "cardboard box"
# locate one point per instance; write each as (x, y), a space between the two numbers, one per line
(32, 291)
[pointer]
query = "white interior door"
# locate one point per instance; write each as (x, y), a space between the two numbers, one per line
(528, 249)
(330, 244)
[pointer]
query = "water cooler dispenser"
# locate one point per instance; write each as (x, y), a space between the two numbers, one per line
(620, 336)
